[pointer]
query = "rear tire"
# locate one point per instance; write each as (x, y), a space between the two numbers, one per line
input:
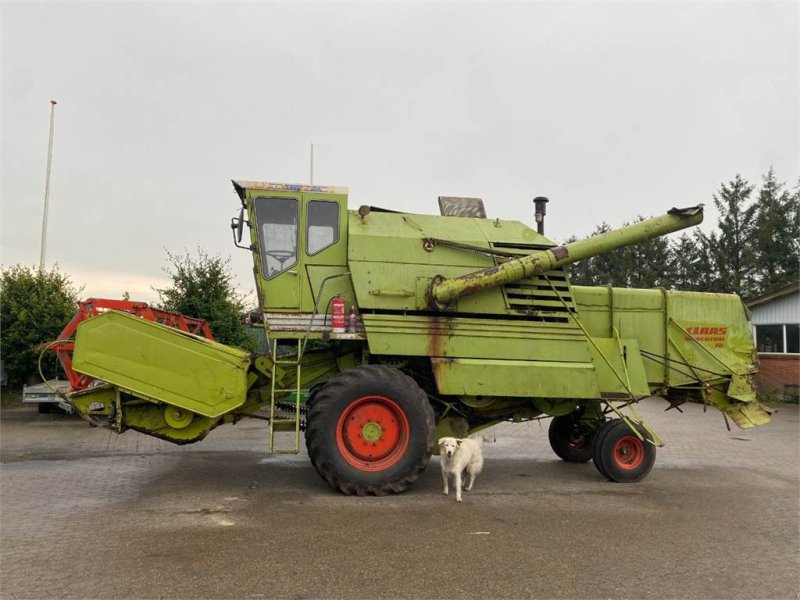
(598, 441)
(620, 455)
(370, 431)
(570, 440)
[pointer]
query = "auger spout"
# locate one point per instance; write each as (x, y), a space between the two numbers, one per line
(444, 291)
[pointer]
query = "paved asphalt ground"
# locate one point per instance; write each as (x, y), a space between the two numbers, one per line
(86, 514)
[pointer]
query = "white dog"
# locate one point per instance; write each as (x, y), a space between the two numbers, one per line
(460, 456)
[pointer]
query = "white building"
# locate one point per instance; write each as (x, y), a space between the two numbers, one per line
(776, 327)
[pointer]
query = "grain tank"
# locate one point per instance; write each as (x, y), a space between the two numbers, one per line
(452, 323)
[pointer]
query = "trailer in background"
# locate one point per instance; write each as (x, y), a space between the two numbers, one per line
(44, 396)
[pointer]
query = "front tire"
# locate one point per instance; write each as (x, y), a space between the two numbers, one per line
(370, 431)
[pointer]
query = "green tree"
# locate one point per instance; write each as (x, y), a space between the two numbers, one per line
(203, 287)
(647, 263)
(605, 268)
(580, 273)
(776, 236)
(688, 265)
(642, 265)
(731, 251)
(598, 270)
(755, 248)
(706, 266)
(35, 305)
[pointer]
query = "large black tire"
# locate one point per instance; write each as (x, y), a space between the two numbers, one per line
(598, 440)
(620, 455)
(570, 440)
(370, 431)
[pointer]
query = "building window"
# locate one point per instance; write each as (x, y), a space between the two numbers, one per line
(793, 338)
(780, 339)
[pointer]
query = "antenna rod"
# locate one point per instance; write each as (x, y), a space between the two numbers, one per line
(47, 185)
(312, 163)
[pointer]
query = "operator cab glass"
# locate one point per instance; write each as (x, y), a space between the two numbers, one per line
(323, 225)
(277, 218)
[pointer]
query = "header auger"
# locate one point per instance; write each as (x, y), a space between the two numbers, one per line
(444, 325)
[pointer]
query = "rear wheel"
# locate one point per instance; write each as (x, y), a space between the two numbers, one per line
(620, 455)
(598, 441)
(571, 440)
(370, 430)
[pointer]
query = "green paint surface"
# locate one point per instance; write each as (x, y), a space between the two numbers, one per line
(163, 364)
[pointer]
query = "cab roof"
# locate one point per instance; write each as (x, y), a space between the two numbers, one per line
(242, 186)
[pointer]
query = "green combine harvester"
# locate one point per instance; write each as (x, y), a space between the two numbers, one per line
(387, 330)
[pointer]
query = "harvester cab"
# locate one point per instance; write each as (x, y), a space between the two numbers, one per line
(387, 330)
(298, 238)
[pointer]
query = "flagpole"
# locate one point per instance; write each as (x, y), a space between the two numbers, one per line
(47, 185)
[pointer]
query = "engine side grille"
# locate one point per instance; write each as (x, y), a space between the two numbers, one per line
(535, 297)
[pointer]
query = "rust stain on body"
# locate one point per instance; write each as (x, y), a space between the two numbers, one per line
(434, 344)
(434, 331)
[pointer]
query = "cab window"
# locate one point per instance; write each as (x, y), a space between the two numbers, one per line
(323, 225)
(277, 220)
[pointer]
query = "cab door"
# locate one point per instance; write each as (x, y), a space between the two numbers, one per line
(324, 254)
(277, 252)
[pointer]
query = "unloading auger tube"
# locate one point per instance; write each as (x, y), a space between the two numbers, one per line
(444, 291)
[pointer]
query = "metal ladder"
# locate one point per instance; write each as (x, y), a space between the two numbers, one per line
(291, 423)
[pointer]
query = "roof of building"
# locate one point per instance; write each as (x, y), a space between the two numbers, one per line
(787, 290)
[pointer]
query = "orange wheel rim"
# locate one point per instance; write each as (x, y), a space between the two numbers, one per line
(372, 433)
(629, 453)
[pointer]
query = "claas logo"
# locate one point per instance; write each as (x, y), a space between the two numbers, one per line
(707, 330)
(711, 336)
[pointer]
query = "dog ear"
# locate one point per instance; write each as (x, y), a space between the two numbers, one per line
(458, 442)
(440, 442)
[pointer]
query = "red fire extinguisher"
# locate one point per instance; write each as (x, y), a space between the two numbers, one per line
(337, 315)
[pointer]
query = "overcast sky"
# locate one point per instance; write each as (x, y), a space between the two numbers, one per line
(611, 109)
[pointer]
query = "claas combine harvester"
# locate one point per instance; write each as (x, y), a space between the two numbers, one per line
(386, 330)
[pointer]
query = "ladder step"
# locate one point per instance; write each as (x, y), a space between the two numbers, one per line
(292, 423)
